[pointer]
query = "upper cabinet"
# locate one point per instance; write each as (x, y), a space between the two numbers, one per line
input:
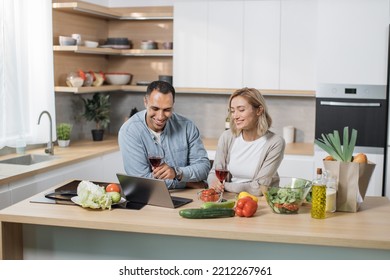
(190, 39)
(97, 23)
(353, 41)
(225, 44)
(262, 44)
(261, 56)
(298, 44)
(208, 44)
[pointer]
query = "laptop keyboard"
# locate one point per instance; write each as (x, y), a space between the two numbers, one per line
(178, 200)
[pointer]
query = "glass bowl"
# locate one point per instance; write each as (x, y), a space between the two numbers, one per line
(285, 196)
(210, 195)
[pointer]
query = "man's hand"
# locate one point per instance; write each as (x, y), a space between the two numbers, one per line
(163, 172)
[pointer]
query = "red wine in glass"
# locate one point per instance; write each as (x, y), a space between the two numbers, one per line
(155, 160)
(221, 174)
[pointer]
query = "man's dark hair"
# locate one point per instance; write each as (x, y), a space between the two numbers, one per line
(162, 87)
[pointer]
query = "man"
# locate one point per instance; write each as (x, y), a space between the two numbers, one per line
(158, 130)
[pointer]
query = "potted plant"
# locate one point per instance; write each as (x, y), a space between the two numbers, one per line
(97, 109)
(63, 134)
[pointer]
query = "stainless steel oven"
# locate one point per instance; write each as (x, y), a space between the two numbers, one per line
(362, 107)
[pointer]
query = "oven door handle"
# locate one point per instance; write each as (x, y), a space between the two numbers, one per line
(349, 104)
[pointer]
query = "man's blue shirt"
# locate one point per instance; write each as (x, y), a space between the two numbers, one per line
(180, 143)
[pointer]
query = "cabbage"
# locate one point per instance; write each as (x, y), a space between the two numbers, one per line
(93, 196)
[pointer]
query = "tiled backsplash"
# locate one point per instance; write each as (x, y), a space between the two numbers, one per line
(207, 111)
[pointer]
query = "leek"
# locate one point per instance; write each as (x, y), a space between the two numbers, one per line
(331, 144)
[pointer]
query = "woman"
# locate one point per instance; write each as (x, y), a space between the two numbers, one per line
(251, 152)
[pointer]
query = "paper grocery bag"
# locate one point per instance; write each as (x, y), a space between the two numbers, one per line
(353, 179)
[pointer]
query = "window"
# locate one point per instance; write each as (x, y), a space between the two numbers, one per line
(26, 71)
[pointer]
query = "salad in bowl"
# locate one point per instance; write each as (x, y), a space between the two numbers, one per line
(285, 196)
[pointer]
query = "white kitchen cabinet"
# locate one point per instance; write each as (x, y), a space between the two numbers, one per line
(297, 166)
(5, 196)
(32, 185)
(112, 164)
(225, 44)
(298, 44)
(190, 49)
(208, 44)
(262, 44)
(353, 41)
(102, 169)
(261, 58)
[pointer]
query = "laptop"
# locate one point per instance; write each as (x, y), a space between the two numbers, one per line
(147, 191)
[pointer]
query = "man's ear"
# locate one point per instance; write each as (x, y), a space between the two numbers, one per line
(145, 102)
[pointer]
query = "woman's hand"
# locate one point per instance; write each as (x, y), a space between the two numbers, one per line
(217, 185)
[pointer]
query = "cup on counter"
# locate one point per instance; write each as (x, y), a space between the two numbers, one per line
(289, 134)
(20, 146)
(77, 37)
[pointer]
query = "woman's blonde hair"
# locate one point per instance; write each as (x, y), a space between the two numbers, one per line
(256, 99)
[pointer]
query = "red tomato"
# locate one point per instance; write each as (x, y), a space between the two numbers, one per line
(291, 207)
(113, 188)
(209, 195)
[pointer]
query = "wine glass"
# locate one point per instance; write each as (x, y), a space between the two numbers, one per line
(155, 159)
(221, 172)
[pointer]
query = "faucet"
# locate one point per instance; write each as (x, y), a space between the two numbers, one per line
(50, 147)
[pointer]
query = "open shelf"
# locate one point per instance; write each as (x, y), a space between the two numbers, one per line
(111, 51)
(208, 91)
(110, 13)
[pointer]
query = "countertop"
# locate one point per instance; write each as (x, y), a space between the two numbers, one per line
(87, 149)
(76, 152)
(368, 228)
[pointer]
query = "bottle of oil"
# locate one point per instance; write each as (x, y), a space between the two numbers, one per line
(318, 204)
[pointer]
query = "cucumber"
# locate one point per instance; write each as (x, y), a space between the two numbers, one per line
(198, 213)
(225, 204)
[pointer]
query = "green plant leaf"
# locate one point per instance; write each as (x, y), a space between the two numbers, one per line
(331, 144)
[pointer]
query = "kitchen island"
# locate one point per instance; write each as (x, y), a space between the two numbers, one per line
(52, 231)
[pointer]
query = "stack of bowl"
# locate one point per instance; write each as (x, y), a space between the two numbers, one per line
(118, 43)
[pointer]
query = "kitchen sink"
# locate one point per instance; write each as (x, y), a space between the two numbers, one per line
(28, 159)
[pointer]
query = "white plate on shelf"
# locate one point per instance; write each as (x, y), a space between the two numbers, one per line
(116, 46)
(76, 200)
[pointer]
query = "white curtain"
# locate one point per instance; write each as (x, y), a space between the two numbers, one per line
(26, 71)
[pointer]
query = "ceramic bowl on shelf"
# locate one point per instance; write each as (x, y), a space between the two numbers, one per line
(91, 44)
(118, 78)
(67, 41)
(167, 45)
(73, 79)
(285, 195)
(148, 45)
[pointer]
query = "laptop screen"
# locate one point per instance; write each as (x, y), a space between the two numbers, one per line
(148, 191)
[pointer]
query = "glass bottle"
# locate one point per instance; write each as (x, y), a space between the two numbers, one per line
(318, 204)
